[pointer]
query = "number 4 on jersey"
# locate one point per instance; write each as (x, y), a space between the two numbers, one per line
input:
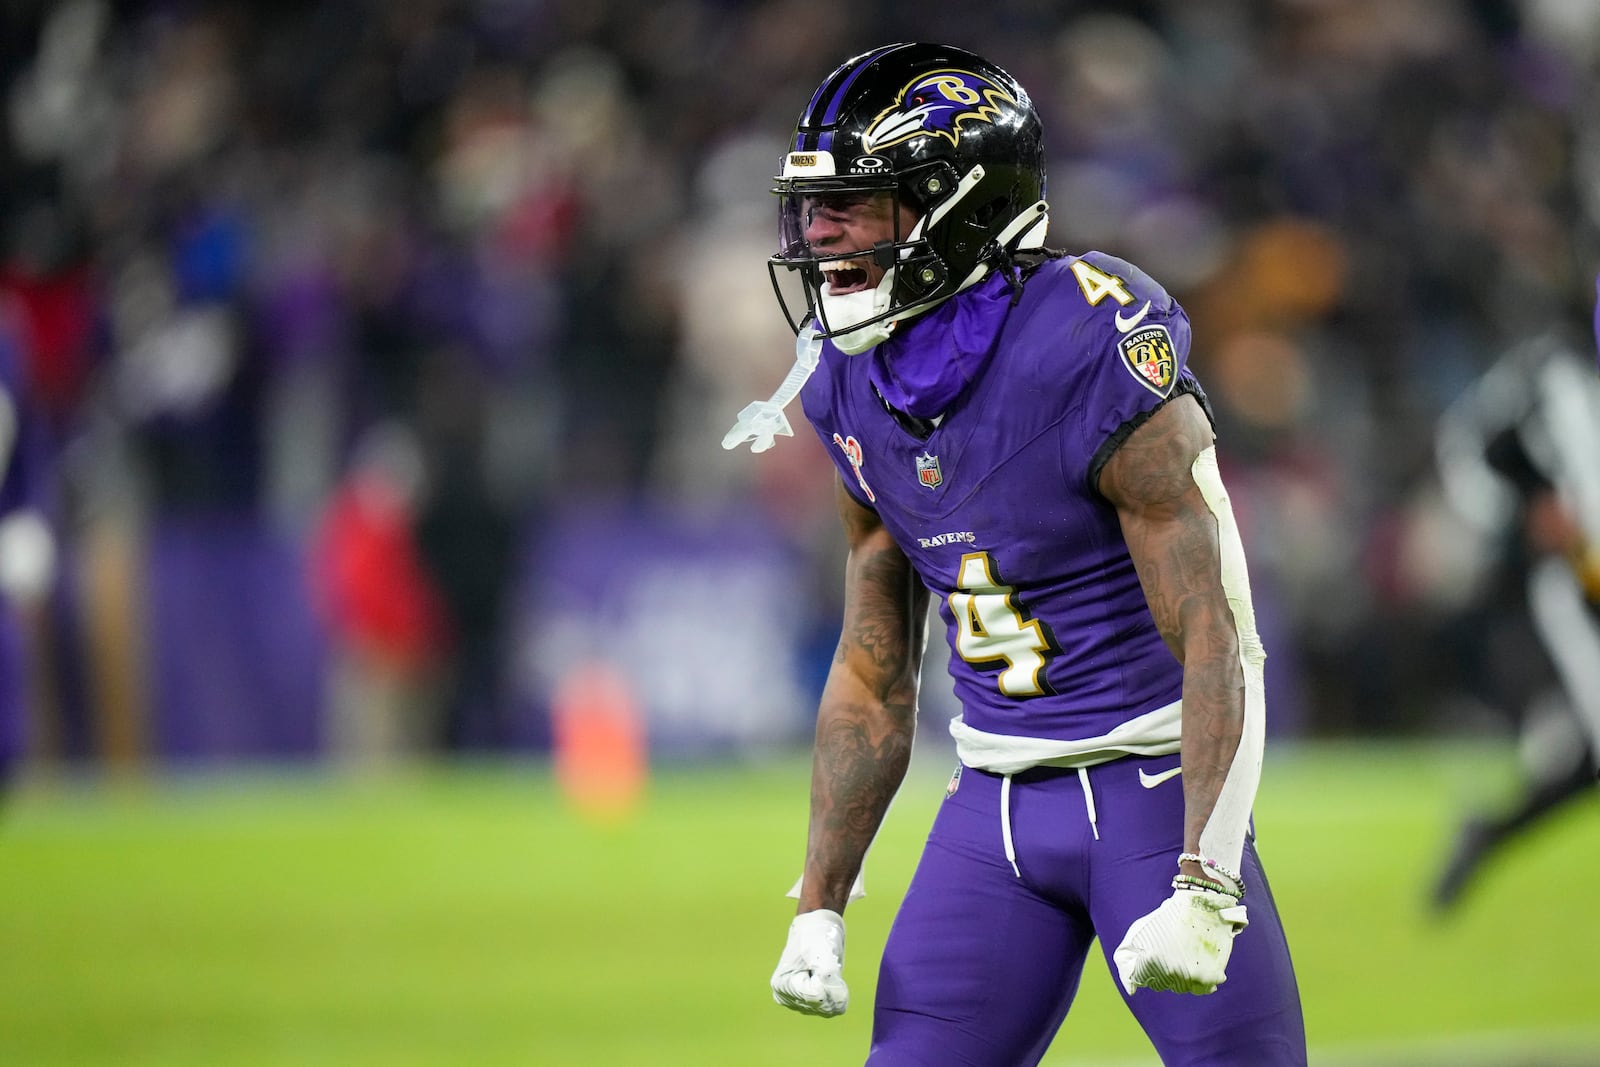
(993, 629)
(1097, 284)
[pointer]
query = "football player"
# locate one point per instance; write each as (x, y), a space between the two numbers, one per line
(1517, 459)
(1018, 436)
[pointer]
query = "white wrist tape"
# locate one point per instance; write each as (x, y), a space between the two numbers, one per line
(1223, 837)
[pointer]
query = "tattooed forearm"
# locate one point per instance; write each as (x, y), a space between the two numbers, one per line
(1213, 702)
(1173, 540)
(1179, 572)
(867, 718)
(854, 777)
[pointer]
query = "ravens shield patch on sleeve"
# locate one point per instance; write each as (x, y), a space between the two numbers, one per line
(1148, 355)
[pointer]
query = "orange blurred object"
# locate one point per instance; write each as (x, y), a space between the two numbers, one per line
(600, 753)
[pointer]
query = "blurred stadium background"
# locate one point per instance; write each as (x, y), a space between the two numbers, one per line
(379, 604)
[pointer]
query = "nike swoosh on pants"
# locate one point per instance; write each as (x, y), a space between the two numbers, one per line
(1150, 781)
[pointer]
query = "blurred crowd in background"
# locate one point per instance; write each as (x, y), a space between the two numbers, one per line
(366, 364)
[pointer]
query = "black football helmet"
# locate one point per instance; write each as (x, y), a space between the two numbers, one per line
(940, 129)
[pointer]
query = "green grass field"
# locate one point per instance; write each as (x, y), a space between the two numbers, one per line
(470, 918)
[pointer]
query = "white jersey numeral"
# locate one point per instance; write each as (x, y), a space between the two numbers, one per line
(993, 628)
(1097, 284)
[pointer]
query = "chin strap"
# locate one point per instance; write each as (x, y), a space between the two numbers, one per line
(1031, 224)
(763, 421)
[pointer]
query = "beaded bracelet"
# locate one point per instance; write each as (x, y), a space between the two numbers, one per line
(1213, 865)
(1190, 882)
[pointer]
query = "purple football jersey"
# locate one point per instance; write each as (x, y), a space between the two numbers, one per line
(998, 511)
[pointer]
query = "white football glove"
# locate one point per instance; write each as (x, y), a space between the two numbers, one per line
(1183, 946)
(808, 976)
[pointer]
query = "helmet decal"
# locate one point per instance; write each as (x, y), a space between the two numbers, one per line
(830, 96)
(938, 103)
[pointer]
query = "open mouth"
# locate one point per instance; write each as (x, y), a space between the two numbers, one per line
(846, 276)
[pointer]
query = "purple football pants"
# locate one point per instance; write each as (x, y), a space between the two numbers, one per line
(981, 965)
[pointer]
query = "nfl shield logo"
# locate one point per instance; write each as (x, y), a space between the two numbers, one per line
(928, 471)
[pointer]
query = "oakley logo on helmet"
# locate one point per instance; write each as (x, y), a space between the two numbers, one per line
(940, 104)
(869, 164)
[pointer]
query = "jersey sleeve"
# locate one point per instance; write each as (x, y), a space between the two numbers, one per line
(1134, 346)
(819, 400)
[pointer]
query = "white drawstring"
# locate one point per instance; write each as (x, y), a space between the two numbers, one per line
(1088, 800)
(1005, 823)
(1005, 815)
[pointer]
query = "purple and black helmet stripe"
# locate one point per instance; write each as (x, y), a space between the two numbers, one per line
(830, 97)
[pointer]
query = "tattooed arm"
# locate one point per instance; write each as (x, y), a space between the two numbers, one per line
(1172, 535)
(869, 706)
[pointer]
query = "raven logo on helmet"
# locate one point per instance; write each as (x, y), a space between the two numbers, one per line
(937, 104)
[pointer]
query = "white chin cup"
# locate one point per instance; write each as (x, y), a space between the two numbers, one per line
(869, 304)
(858, 307)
